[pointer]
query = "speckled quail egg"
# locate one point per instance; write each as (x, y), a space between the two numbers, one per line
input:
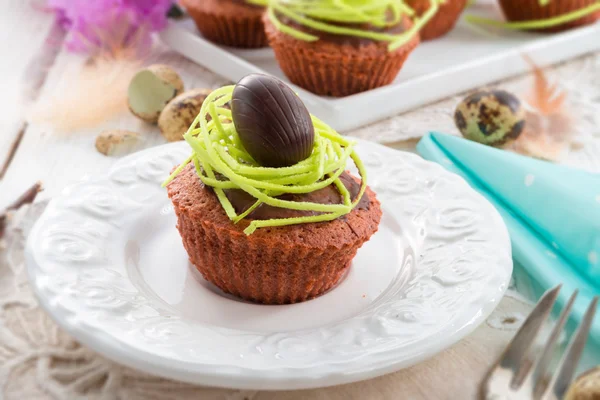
(116, 142)
(491, 117)
(151, 89)
(586, 387)
(179, 113)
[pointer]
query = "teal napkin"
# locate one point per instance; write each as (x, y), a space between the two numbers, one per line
(552, 212)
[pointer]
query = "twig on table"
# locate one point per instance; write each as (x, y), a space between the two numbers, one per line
(26, 198)
(13, 150)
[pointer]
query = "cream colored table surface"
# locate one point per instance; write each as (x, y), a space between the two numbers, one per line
(38, 361)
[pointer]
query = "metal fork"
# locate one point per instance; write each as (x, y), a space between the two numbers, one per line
(517, 375)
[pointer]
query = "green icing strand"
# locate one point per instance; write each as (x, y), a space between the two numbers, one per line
(325, 15)
(216, 148)
(537, 24)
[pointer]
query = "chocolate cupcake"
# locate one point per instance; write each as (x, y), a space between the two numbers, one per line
(265, 208)
(235, 23)
(443, 21)
(333, 52)
(546, 15)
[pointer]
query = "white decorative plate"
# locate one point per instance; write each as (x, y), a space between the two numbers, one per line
(107, 263)
(464, 59)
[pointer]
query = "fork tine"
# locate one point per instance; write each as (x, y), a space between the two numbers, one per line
(522, 341)
(543, 362)
(568, 364)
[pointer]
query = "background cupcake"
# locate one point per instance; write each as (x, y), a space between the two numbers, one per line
(538, 10)
(284, 225)
(334, 52)
(443, 21)
(235, 23)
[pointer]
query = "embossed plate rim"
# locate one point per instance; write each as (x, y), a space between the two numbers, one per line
(324, 372)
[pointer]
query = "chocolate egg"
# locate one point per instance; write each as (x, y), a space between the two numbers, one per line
(490, 117)
(272, 123)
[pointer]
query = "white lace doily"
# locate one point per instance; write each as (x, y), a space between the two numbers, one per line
(580, 78)
(39, 361)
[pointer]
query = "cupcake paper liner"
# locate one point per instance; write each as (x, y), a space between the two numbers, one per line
(528, 10)
(244, 30)
(443, 21)
(336, 71)
(261, 271)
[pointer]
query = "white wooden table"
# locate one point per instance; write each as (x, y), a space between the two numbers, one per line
(36, 67)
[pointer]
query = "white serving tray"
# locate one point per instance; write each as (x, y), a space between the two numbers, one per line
(462, 60)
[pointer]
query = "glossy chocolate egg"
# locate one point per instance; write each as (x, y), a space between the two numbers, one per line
(271, 121)
(491, 117)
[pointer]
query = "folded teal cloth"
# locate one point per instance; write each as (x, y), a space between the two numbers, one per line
(552, 212)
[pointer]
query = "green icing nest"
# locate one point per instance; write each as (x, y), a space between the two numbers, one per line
(217, 149)
(326, 15)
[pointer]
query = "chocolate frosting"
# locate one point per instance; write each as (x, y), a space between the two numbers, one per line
(241, 200)
(347, 39)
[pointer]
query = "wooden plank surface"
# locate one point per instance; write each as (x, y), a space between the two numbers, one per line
(57, 158)
(25, 33)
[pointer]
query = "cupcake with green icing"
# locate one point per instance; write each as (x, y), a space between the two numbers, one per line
(265, 206)
(234, 23)
(545, 15)
(339, 48)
